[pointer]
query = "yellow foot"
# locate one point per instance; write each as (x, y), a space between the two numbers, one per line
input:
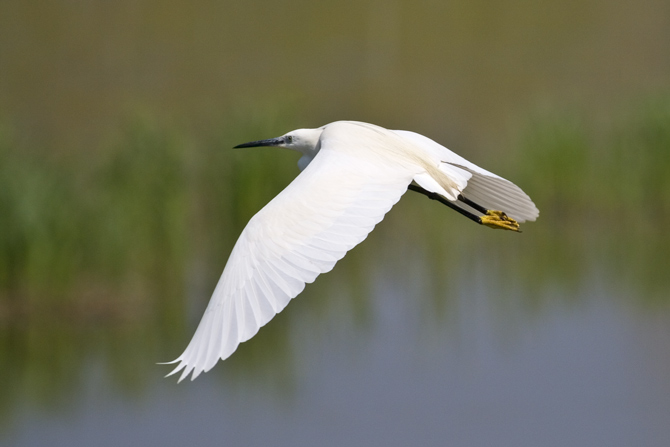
(498, 219)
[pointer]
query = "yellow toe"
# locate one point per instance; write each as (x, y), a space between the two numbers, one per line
(499, 220)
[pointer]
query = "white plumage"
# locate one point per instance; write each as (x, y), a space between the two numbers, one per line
(353, 174)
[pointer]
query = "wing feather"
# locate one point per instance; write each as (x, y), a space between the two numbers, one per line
(327, 210)
(496, 193)
(483, 187)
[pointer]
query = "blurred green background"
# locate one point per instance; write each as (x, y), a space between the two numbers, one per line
(120, 198)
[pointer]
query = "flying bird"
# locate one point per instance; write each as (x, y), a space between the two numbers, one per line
(352, 174)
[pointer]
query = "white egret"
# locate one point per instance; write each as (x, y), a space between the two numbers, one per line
(352, 174)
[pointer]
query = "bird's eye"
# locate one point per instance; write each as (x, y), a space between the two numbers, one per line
(289, 139)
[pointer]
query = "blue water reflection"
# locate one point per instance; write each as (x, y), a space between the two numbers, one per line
(591, 374)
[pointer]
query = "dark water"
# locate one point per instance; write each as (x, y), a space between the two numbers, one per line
(119, 204)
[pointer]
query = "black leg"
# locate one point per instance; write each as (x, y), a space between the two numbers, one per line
(472, 204)
(490, 218)
(439, 198)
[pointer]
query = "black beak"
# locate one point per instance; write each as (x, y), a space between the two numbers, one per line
(270, 142)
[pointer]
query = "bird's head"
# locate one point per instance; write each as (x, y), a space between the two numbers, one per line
(305, 141)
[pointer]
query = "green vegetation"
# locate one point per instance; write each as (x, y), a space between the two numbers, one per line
(604, 196)
(619, 173)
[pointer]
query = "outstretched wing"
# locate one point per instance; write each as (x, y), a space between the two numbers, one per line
(327, 210)
(483, 187)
